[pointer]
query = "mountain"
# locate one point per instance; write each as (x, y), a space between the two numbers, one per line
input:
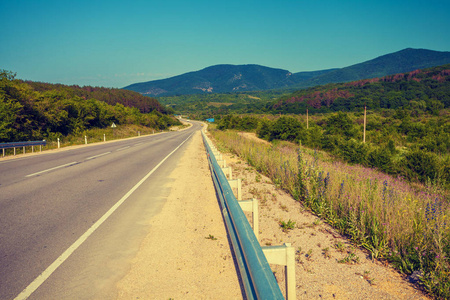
(223, 79)
(236, 78)
(406, 60)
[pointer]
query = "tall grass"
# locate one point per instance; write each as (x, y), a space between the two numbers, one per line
(407, 225)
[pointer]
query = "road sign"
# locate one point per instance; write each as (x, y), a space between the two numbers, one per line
(113, 125)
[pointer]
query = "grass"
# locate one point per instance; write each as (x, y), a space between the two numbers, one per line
(351, 258)
(211, 237)
(366, 276)
(286, 226)
(326, 252)
(405, 224)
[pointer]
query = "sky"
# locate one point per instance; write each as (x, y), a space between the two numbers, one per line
(117, 43)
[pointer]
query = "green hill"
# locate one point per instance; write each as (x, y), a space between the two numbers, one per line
(220, 79)
(241, 78)
(419, 89)
(36, 111)
(406, 60)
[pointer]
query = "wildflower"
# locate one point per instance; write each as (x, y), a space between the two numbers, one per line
(341, 189)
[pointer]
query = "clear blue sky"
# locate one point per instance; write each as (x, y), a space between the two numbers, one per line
(116, 43)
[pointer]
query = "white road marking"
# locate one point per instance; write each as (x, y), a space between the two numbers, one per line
(92, 157)
(51, 169)
(47, 272)
(123, 148)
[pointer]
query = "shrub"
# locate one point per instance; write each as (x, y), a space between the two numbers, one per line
(421, 165)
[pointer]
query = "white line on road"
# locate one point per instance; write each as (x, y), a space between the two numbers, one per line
(92, 157)
(51, 169)
(123, 148)
(47, 272)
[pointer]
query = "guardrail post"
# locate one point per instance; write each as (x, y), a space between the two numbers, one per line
(59, 144)
(14, 151)
(3, 152)
(222, 163)
(227, 171)
(252, 205)
(104, 137)
(237, 184)
(285, 256)
(85, 140)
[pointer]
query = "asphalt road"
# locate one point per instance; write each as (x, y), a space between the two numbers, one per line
(56, 201)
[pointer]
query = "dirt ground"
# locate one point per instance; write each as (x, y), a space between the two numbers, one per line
(186, 254)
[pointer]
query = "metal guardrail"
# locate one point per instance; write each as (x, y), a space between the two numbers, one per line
(22, 144)
(256, 274)
(15, 145)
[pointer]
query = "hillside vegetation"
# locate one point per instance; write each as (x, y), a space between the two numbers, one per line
(399, 143)
(35, 111)
(427, 89)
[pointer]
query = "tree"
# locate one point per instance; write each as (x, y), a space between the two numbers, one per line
(286, 128)
(9, 110)
(340, 123)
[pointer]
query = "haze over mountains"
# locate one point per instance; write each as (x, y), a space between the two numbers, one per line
(238, 78)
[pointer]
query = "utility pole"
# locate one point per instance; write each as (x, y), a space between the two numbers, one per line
(364, 135)
(307, 119)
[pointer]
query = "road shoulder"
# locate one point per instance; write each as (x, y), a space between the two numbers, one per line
(186, 254)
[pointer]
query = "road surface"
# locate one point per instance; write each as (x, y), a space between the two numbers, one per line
(70, 221)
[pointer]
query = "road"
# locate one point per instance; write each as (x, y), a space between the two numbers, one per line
(71, 221)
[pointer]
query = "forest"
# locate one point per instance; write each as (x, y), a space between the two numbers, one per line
(36, 111)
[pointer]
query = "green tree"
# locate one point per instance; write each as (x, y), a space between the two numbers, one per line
(9, 110)
(340, 124)
(287, 129)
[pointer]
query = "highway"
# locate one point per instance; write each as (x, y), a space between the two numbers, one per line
(72, 220)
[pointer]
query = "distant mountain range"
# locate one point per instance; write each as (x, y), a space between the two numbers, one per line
(238, 78)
